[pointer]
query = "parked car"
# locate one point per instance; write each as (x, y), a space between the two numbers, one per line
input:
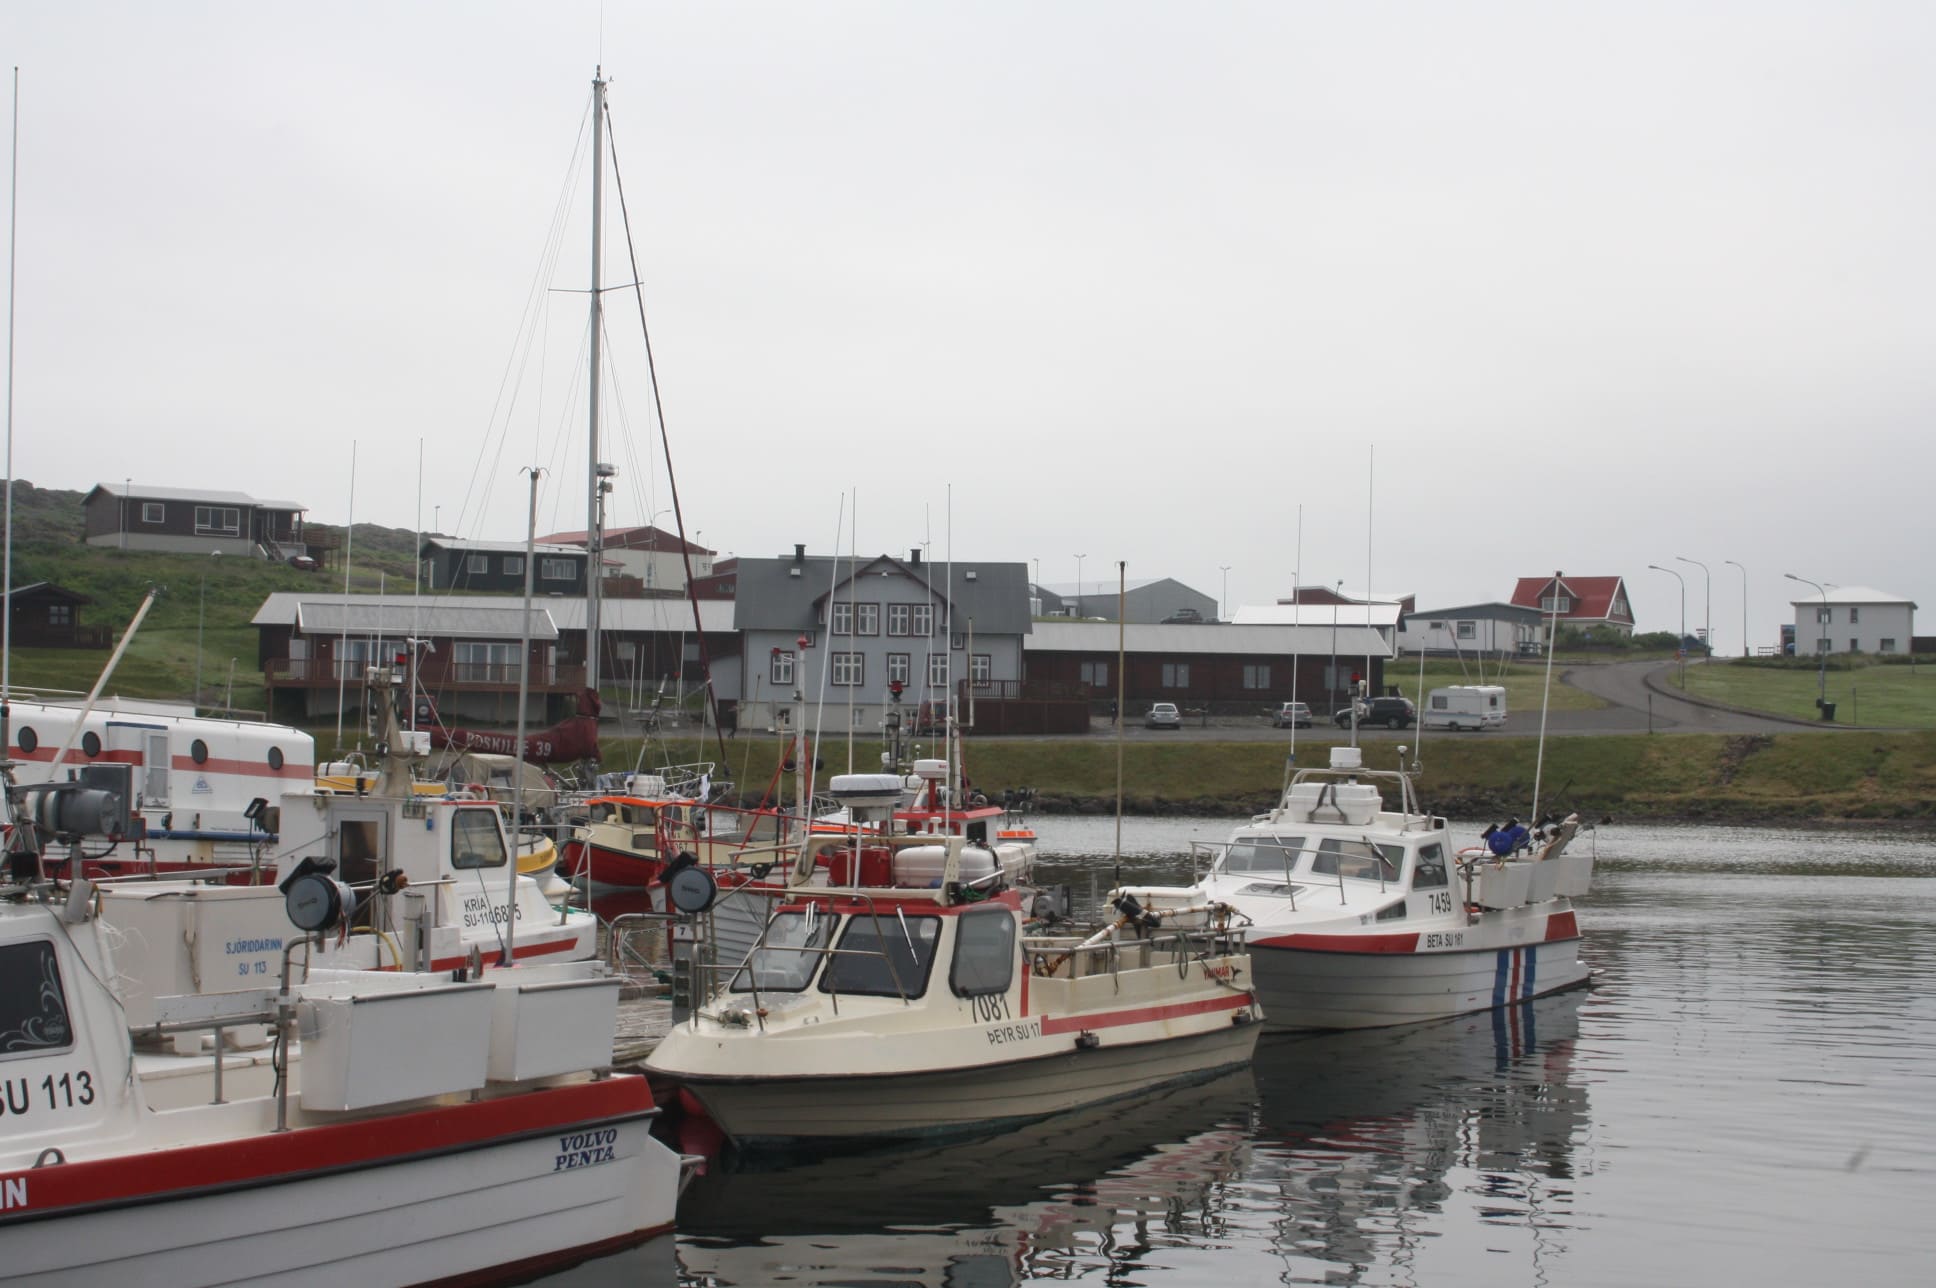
(1163, 715)
(1292, 715)
(1393, 713)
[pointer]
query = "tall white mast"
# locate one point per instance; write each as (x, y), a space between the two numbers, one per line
(595, 477)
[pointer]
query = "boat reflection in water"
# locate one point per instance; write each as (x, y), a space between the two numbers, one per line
(1376, 1144)
(1336, 1158)
(993, 1210)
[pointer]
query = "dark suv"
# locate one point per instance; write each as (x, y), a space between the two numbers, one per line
(1393, 713)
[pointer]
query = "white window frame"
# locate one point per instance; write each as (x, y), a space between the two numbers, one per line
(780, 666)
(514, 565)
(867, 619)
(840, 620)
(154, 512)
(1257, 675)
(1468, 630)
(921, 620)
(849, 670)
(476, 565)
(218, 520)
(937, 670)
(1094, 674)
(981, 669)
(900, 666)
(557, 568)
(1176, 675)
(899, 619)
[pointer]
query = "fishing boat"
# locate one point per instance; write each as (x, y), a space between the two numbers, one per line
(1361, 916)
(432, 1130)
(897, 991)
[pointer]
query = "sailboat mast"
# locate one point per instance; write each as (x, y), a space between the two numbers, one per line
(595, 477)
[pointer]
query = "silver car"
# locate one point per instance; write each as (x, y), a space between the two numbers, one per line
(1163, 715)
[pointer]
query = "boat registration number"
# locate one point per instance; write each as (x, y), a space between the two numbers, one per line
(1001, 1034)
(1445, 939)
(21, 1096)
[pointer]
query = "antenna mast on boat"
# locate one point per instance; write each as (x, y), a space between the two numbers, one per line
(595, 472)
(6, 624)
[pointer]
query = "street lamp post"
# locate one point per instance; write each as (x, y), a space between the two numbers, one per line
(1079, 559)
(1821, 640)
(1681, 645)
(1223, 604)
(1744, 605)
(1707, 621)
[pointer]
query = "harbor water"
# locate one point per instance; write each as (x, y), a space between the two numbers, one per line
(1747, 1094)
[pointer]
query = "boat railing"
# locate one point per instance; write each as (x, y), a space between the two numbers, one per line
(1209, 856)
(634, 943)
(1067, 957)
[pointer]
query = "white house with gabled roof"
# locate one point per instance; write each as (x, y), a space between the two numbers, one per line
(1853, 619)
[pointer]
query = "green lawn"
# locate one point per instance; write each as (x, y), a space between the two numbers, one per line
(1896, 697)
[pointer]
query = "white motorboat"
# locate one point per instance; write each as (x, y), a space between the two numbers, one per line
(896, 992)
(433, 1130)
(1361, 916)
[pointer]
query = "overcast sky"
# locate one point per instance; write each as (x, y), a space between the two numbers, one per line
(1488, 289)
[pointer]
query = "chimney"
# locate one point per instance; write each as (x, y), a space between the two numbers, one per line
(799, 553)
(914, 555)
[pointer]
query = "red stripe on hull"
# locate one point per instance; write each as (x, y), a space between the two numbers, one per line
(1142, 1015)
(609, 867)
(1400, 943)
(163, 1174)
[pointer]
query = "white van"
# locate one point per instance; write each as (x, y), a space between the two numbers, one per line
(1465, 706)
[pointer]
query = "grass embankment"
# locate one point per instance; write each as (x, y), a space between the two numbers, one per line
(1524, 682)
(1745, 779)
(1865, 692)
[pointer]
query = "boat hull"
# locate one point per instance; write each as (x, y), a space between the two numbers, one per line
(1317, 981)
(602, 865)
(443, 1195)
(779, 1111)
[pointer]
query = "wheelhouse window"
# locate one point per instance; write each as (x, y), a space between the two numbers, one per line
(1429, 872)
(1263, 855)
(790, 955)
(216, 520)
(883, 956)
(475, 841)
(984, 953)
(1360, 860)
(33, 1006)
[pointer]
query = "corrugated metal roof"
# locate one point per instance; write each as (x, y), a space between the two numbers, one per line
(1208, 637)
(992, 595)
(1852, 595)
(502, 547)
(1315, 615)
(372, 616)
(140, 492)
(567, 614)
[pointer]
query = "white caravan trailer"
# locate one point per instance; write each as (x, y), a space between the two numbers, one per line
(1465, 706)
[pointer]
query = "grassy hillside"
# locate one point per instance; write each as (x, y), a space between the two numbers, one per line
(198, 595)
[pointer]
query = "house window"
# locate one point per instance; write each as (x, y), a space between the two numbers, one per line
(867, 619)
(981, 669)
(1821, 614)
(848, 669)
(1176, 675)
(900, 668)
(1095, 674)
(477, 565)
(60, 614)
(216, 520)
(921, 619)
(781, 670)
(1556, 604)
(557, 569)
(1855, 646)
(1821, 646)
(957, 640)
(898, 618)
(1887, 644)
(1257, 677)
(1854, 614)
(153, 511)
(483, 662)
(937, 670)
(1468, 630)
(514, 565)
(843, 620)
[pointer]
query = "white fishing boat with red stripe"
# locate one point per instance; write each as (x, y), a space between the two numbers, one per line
(1361, 916)
(896, 993)
(434, 1130)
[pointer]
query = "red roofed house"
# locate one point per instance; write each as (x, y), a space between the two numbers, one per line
(1588, 603)
(655, 557)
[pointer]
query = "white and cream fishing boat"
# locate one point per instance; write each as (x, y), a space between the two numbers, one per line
(1361, 916)
(434, 1129)
(896, 992)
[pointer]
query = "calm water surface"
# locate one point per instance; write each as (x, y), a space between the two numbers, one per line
(1746, 1096)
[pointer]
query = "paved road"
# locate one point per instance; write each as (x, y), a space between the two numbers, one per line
(1636, 707)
